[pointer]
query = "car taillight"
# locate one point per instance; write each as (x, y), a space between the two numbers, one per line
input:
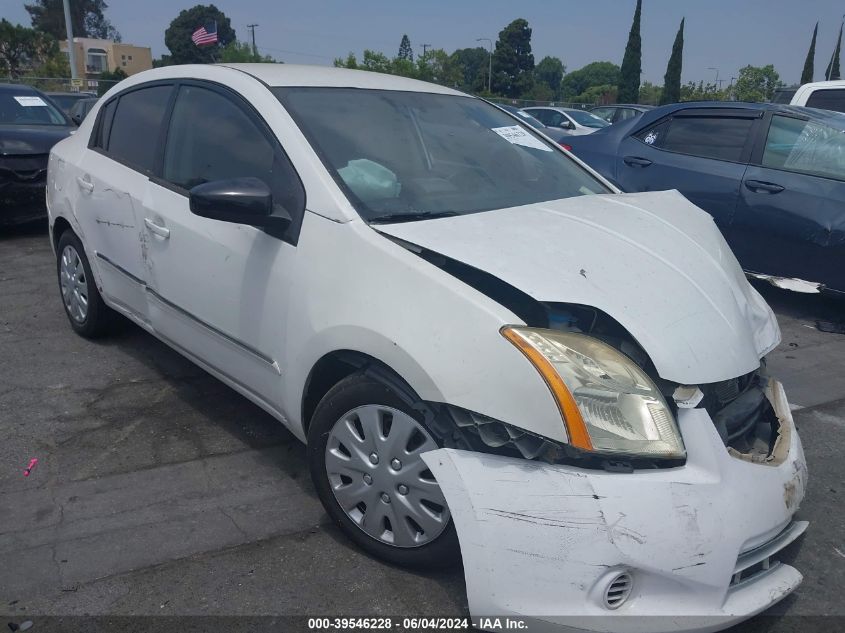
(568, 148)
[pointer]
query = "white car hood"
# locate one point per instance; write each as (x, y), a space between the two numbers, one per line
(653, 261)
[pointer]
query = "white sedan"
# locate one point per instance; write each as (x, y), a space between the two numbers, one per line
(489, 351)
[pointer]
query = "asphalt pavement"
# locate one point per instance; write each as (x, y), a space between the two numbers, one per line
(161, 492)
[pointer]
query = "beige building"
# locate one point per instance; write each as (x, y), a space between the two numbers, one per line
(93, 57)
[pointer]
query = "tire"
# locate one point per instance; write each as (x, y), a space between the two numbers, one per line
(86, 311)
(374, 418)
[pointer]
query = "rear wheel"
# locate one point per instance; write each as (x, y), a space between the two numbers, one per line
(364, 446)
(89, 316)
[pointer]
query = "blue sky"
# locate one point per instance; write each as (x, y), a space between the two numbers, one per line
(723, 34)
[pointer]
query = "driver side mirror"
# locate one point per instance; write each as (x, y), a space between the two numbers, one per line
(240, 201)
(76, 119)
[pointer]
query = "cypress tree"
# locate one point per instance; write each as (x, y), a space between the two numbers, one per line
(672, 78)
(832, 71)
(809, 69)
(629, 81)
(405, 50)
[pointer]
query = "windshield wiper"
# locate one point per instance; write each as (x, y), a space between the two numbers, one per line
(412, 216)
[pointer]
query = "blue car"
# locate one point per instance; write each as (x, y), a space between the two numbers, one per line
(772, 176)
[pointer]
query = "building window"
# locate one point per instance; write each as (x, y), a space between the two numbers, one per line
(123, 63)
(96, 61)
(123, 57)
(130, 58)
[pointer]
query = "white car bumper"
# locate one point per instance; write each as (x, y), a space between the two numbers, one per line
(542, 542)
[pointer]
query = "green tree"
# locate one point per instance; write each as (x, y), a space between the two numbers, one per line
(757, 83)
(177, 37)
(832, 71)
(549, 72)
(700, 91)
(513, 62)
(672, 78)
(593, 74)
(24, 49)
(597, 95)
(405, 50)
(375, 62)
(809, 63)
(650, 94)
(86, 17)
(241, 52)
(107, 80)
(629, 80)
(350, 62)
(473, 64)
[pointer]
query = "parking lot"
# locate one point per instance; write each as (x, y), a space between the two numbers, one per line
(159, 491)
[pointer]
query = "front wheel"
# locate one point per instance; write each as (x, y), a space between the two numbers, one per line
(364, 449)
(88, 314)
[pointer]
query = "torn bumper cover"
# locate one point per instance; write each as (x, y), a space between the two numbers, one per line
(699, 542)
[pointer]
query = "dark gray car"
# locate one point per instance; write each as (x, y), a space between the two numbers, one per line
(29, 126)
(772, 177)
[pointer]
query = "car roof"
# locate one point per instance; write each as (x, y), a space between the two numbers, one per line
(834, 119)
(18, 88)
(326, 76)
(834, 83)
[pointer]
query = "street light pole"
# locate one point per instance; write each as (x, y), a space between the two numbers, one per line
(70, 48)
(251, 27)
(717, 75)
(490, 65)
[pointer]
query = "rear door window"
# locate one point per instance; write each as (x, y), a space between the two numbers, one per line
(806, 147)
(829, 99)
(717, 137)
(136, 127)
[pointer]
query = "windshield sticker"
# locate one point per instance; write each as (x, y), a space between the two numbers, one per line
(516, 135)
(650, 138)
(29, 102)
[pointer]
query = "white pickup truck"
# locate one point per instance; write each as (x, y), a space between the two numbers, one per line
(827, 95)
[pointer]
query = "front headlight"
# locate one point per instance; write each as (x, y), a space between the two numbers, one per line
(609, 404)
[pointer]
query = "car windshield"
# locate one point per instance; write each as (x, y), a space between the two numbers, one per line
(28, 108)
(407, 155)
(587, 119)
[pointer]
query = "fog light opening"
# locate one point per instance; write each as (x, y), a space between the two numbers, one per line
(618, 590)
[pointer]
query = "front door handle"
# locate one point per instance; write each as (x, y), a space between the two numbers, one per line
(157, 229)
(636, 161)
(759, 186)
(85, 185)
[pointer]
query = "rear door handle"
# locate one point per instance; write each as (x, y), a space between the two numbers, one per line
(759, 186)
(636, 161)
(85, 185)
(157, 229)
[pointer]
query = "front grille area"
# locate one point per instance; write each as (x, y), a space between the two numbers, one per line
(23, 169)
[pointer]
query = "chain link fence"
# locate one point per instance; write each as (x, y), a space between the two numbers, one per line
(96, 87)
(527, 103)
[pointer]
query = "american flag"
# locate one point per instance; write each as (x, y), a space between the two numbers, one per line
(205, 34)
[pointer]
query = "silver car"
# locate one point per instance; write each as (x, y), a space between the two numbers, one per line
(574, 122)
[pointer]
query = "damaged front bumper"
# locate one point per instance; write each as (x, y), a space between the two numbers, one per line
(544, 543)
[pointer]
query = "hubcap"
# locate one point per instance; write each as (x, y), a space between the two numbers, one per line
(403, 506)
(74, 284)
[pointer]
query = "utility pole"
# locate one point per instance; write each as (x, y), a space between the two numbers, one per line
(251, 27)
(490, 64)
(425, 48)
(71, 50)
(716, 83)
